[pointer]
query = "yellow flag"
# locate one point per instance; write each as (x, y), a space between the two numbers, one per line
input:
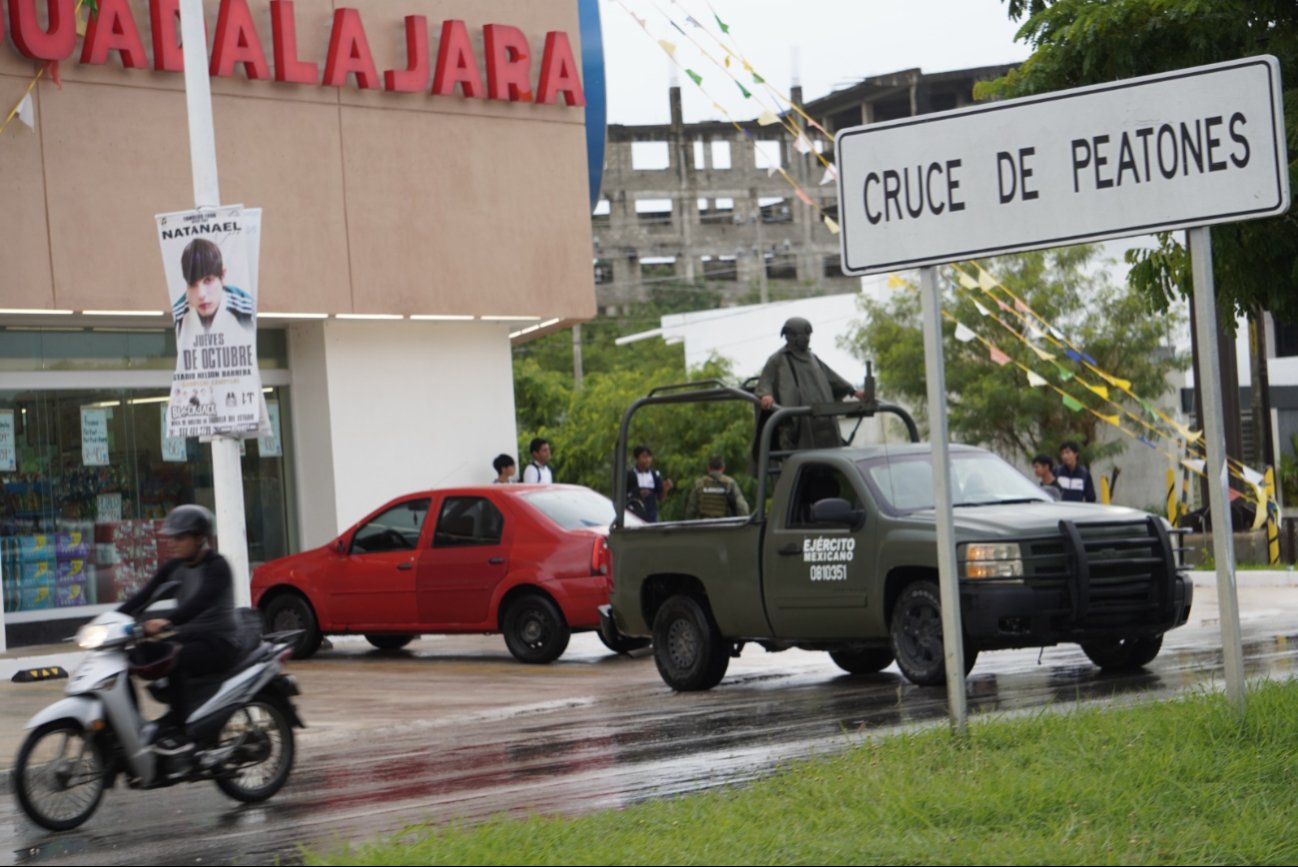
(1171, 496)
(895, 282)
(831, 225)
(986, 282)
(668, 47)
(1101, 390)
(966, 281)
(1115, 419)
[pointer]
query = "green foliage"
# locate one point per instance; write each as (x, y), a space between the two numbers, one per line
(582, 424)
(1079, 42)
(1178, 782)
(993, 405)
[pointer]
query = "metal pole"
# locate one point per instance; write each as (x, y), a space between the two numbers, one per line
(227, 471)
(948, 578)
(1214, 433)
(578, 372)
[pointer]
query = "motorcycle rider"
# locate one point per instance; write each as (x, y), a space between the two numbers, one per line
(203, 618)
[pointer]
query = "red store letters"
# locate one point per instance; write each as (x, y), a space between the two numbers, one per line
(507, 51)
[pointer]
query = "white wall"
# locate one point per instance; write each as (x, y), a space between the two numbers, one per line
(385, 408)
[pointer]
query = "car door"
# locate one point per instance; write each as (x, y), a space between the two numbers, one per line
(468, 558)
(817, 575)
(374, 584)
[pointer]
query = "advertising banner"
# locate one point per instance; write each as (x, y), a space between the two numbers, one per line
(210, 258)
(94, 436)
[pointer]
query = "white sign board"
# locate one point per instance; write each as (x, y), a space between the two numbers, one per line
(1176, 150)
(94, 437)
(8, 442)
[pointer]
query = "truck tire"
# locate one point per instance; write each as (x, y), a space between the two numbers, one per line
(689, 650)
(864, 660)
(916, 629)
(1124, 654)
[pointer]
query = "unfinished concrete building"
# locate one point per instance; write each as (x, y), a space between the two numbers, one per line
(701, 202)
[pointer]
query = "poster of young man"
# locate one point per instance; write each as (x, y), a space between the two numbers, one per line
(210, 259)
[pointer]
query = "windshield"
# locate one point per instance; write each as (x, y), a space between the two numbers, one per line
(575, 508)
(904, 483)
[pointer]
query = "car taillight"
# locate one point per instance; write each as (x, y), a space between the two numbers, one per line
(601, 559)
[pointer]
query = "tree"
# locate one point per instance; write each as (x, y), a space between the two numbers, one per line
(992, 404)
(1079, 42)
(582, 424)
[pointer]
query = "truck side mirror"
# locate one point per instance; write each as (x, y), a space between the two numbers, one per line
(340, 545)
(835, 510)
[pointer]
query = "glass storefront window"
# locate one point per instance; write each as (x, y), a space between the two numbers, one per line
(112, 349)
(86, 477)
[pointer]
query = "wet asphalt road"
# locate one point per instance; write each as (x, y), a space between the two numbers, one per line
(454, 729)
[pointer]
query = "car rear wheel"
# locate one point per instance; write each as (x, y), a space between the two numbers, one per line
(689, 649)
(289, 611)
(1124, 654)
(917, 635)
(865, 660)
(389, 642)
(535, 631)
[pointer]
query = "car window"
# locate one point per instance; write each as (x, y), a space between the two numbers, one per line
(904, 483)
(394, 529)
(468, 521)
(818, 482)
(574, 508)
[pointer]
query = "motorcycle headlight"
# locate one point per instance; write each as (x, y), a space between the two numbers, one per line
(92, 635)
(992, 560)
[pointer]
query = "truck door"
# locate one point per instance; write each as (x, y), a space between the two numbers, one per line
(816, 575)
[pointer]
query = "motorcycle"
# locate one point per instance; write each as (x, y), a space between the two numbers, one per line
(241, 729)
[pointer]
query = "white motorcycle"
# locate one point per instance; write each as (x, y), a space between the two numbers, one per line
(242, 729)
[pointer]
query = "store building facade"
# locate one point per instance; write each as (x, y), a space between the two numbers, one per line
(422, 170)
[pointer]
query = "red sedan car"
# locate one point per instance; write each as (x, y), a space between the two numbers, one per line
(528, 561)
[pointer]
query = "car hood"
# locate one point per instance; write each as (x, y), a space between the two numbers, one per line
(1030, 519)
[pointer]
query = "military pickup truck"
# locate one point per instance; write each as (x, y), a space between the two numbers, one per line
(842, 557)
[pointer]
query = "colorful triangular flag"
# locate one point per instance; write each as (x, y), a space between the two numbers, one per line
(967, 282)
(983, 310)
(1101, 390)
(27, 112)
(698, 79)
(725, 28)
(1043, 355)
(744, 91)
(999, 357)
(832, 226)
(962, 332)
(1065, 374)
(1115, 420)
(767, 118)
(1072, 403)
(803, 197)
(1035, 379)
(669, 47)
(986, 282)
(895, 282)
(758, 79)
(831, 175)
(802, 144)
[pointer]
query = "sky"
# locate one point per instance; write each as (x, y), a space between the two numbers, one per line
(826, 44)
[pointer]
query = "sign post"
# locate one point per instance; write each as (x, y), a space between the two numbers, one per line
(1179, 150)
(227, 471)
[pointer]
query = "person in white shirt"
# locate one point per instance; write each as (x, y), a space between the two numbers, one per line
(538, 471)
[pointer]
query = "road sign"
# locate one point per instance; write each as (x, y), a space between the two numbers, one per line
(1180, 149)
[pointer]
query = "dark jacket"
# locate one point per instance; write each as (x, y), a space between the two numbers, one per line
(1076, 485)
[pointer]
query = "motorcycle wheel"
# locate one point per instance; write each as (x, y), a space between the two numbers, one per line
(59, 775)
(263, 752)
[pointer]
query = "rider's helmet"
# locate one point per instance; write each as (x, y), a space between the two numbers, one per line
(188, 520)
(150, 660)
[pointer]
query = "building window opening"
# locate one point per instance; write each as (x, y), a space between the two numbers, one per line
(775, 209)
(720, 268)
(768, 153)
(657, 267)
(721, 211)
(603, 272)
(650, 156)
(654, 212)
(781, 266)
(602, 213)
(721, 155)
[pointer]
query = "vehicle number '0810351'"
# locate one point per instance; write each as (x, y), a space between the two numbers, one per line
(829, 572)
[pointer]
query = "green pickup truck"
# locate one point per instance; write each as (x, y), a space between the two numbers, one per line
(840, 555)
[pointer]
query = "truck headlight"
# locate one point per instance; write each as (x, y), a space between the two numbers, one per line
(987, 560)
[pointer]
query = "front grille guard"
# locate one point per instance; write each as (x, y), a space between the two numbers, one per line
(1087, 597)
